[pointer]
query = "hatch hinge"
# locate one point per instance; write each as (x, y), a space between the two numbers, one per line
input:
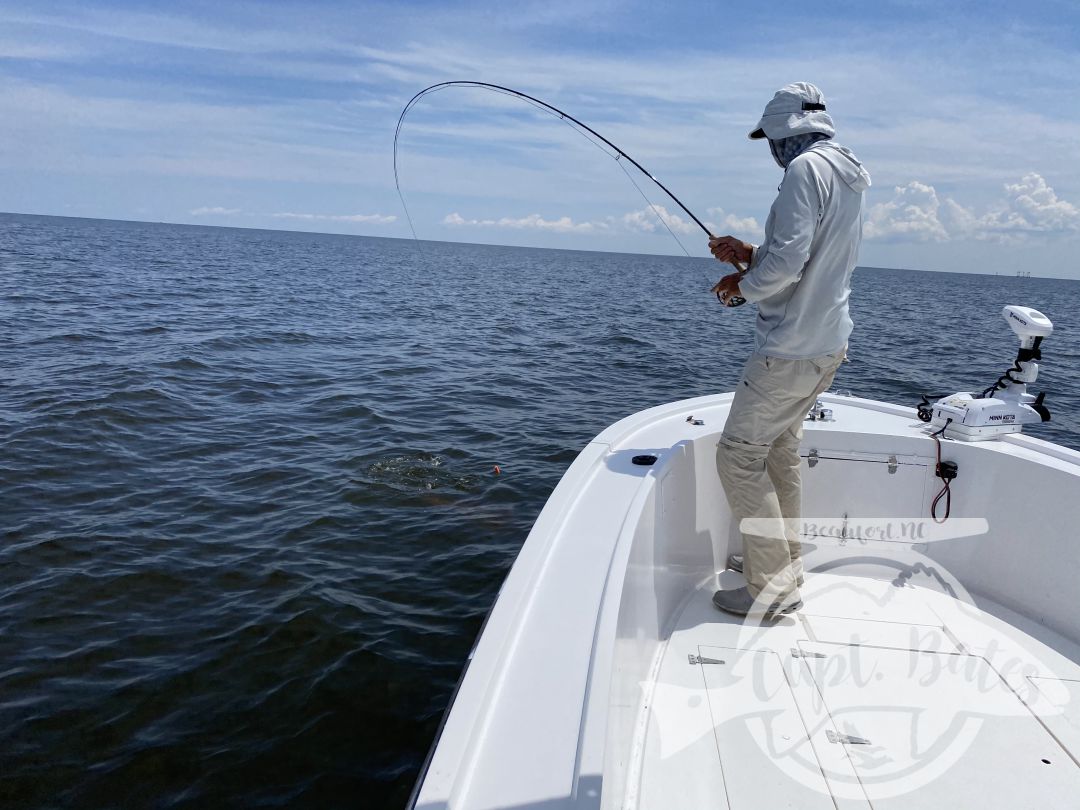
(812, 458)
(845, 739)
(797, 653)
(701, 659)
(893, 465)
(819, 413)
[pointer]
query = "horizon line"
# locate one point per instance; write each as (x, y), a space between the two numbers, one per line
(478, 244)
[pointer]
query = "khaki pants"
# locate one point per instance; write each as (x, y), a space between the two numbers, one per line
(758, 462)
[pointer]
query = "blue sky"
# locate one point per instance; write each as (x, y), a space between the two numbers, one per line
(281, 115)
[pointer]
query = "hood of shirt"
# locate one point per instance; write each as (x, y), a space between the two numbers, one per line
(843, 160)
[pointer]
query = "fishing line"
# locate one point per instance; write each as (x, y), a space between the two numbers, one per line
(587, 132)
(616, 157)
(659, 216)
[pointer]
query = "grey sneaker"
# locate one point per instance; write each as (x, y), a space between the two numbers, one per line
(734, 563)
(740, 602)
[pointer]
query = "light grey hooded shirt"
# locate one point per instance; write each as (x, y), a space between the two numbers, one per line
(800, 276)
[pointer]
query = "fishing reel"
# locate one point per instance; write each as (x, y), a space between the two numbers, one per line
(735, 300)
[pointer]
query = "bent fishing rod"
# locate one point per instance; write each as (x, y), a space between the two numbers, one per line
(583, 129)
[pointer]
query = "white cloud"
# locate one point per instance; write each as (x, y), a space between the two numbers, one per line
(743, 227)
(532, 221)
(371, 219)
(916, 213)
(375, 219)
(1032, 206)
(648, 220)
(40, 52)
(912, 214)
(645, 220)
(216, 211)
(174, 30)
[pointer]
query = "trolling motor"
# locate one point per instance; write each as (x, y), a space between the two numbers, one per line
(1006, 405)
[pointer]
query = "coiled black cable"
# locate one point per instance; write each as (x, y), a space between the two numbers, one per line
(925, 409)
(946, 471)
(1022, 356)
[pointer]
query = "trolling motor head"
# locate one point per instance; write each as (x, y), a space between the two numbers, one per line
(1006, 405)
(1028, 324)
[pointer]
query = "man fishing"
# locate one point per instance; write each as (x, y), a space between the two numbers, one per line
(800, 279)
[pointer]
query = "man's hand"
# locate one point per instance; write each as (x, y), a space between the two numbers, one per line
(728, 288)
(726, 248)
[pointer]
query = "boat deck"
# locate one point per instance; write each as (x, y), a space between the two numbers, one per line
(883, 691)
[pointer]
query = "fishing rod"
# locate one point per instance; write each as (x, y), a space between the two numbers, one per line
(582, 128)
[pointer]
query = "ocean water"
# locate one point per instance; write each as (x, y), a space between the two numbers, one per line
(250, 517)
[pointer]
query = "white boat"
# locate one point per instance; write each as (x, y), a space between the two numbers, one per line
(933, 665)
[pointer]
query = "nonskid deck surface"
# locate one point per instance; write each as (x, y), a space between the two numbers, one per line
(883, 692)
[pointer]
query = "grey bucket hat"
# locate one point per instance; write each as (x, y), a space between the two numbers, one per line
(795, 109)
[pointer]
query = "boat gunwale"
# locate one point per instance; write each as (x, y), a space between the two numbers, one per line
(488, 663)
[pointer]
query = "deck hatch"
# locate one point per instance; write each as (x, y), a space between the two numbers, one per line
(760, 734)
(1057, 704)
(850, 486)
(942, 729)
(876, 633)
